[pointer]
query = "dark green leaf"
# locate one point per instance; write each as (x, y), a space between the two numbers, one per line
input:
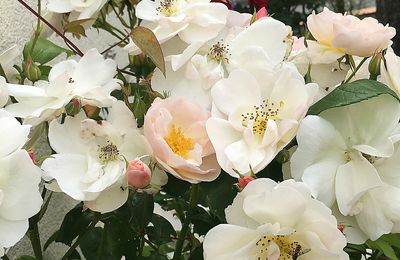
(25, 257)
(203, 221)
(44, 51)
(74, 224)
(139, 108)
(142, 208)
(351, 93)
(91, 244)
(50, 240)
(219, 194)
(176, 187)
(74, 256)
(145, 39)
(162, 230)
(197, 254)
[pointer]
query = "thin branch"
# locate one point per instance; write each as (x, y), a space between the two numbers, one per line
(70, 44)
(114, 45)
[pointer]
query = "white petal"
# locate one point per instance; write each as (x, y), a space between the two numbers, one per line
(66, 138)
(19, 182)
(240, 89)
(13, 135)
(215, 127)
(12, 231)
(318, 140)
(68, 170)
(236, 243)
(147, 10)
(276, 212)
(60, 6)
(320, 177)
(352, 181)
(274, 44)
(110, 199)
(364, 127)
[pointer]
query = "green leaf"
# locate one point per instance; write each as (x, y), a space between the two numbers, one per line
(44, 51)
(386, 249)
(392, 239)
(74, 224)
(139, 109)
(142, 207)
(351, 93)
(76, 27)
(176, 187)
(34, 136)
(25, 257)
(203, 221)
(50, 240)
(162, 230)
(219, 194)
(145, 39)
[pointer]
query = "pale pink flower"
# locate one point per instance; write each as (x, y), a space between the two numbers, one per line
(175, 129)
(337, 34)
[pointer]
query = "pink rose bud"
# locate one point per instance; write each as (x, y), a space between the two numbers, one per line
(139, 174)
(261, 13)
(32, 155)
(244, 181)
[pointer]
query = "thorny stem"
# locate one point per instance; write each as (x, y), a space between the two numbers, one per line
(70, 44)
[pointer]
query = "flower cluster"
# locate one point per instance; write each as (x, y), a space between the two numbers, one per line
(233, 96)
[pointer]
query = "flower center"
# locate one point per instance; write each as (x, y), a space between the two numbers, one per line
(261, 114)
(178, 142)
(168, 7)
(289, 249)
(108, 152)
(219, 52)
(372, 159)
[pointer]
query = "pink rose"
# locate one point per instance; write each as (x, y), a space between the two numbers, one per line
(337, 34)
(138, 174)
(175, 129)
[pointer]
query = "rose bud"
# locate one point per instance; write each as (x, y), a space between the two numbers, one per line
(139, 174)
(33, 72)
(261, 13)
(244, 181)
(32, 155)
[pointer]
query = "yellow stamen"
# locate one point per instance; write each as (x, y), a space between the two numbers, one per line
(288, 247)
(178, 142)
(260, 116)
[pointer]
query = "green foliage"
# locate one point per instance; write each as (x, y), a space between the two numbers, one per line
(351, 93)
(74, 224)
(44, 51)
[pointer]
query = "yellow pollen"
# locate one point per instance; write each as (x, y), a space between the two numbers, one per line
(168, 7)
(260, 116)
(178, 142)
(108, 153)
(219, 52)
(288, 247)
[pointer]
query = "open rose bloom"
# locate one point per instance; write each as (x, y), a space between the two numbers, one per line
(201, 132)
(176, 130)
